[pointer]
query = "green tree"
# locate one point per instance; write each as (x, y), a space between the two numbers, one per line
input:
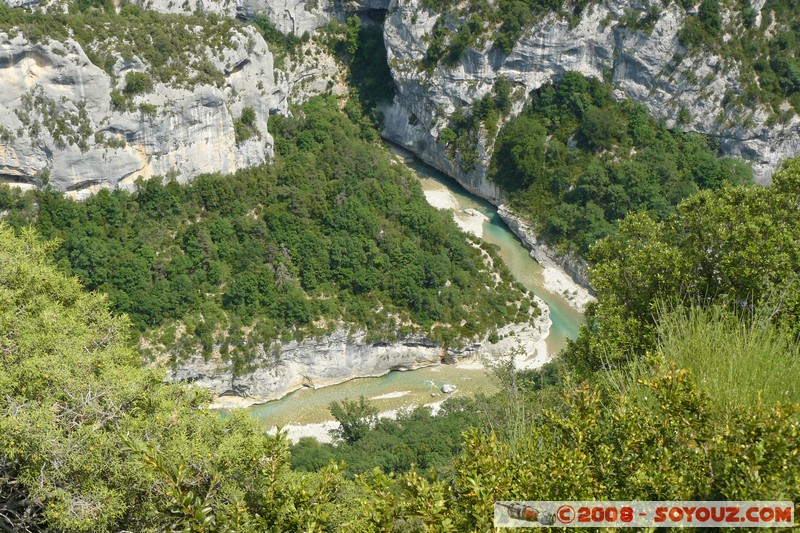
(735, 246)
(355, 418)
(137, 83)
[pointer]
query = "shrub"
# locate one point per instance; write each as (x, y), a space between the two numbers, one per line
(137, 83)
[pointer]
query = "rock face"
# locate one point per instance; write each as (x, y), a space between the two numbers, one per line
(301, 16)
(57, 118)
(289, 16)
(563, 274)
(341, 356)
(641, 66)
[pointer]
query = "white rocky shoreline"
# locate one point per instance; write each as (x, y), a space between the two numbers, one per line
(343, 355)
(565, 275)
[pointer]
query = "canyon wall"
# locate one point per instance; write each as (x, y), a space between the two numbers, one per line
(58, 123)
(650, 68)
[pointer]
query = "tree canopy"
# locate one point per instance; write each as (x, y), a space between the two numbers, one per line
(576, 161)
(332, 231)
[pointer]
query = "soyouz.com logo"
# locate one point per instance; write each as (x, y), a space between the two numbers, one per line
(644, 514)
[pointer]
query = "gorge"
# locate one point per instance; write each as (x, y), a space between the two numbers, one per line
(108, 131)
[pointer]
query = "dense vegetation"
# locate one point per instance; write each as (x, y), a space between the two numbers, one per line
(466, 125)
(683, 385)
(737, 247)
(332, 230)
(369, 71)
(658, 374)
(414, 439)
(768, 52)
(78, 417)
(170, 45)
(90, 441)
(576, 161)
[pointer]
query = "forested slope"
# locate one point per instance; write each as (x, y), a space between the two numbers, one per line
(576, 161)
(331, 231)
(91, 441)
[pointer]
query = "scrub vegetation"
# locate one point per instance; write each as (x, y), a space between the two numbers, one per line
(684, 383)
(175, 48)
(763, 51)
(332, 231)
(576, 161)
(92, 441)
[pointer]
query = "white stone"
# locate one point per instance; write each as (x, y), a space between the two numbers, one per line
(191, 133)
(637, 63)
(343, 355)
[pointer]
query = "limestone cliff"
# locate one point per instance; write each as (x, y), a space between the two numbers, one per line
(647, 67)
(343, 355)
(289, 16)
(58, 120)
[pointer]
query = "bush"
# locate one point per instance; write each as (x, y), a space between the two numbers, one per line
(137, 83)
(623, 161)
(244, 127)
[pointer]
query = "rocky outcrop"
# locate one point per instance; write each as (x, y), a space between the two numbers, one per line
(564, 274)
(644, 67)
(58, 122)
(343, 355)
(312, 70)
(576, 267)
(296, 17)
(306, 16)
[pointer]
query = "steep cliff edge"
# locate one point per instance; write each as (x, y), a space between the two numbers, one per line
(344, 355)
(651, 68)
(295, 17)
(66, 120)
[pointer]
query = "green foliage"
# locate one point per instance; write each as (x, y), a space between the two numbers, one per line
(577, 161)
(168, 44)
(119, 101)
(245, 126)
(653, 435)
(361, 50)
(740, 359)
(148, 109)
(73, 394)
(414, 438)
(736, 246)
(331, 231)
(462, 134)
(770, 69)
(137, 83)
(470, 25)
(355, 418)
(369, 70)
(92, 441)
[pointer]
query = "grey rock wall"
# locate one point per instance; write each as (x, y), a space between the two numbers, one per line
(641, 67)
(57, 118)
(343, 355)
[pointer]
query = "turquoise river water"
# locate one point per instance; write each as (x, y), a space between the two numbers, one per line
(411, 388)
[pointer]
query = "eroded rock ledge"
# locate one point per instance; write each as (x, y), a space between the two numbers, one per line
(58, 120)
(343, 355)
(641, 66)
(564, 274)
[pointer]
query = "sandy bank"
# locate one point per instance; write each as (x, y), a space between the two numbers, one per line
(322, 430)
(469, 220)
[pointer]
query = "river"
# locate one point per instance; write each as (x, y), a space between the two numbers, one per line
(408, 389)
